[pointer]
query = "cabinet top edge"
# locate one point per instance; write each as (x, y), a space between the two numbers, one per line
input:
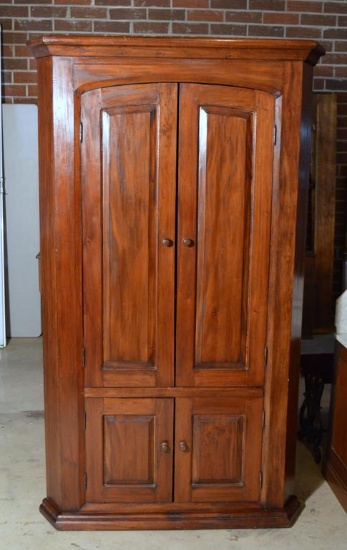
(169, 47)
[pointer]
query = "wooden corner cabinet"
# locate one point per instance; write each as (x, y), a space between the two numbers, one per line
(173, 179)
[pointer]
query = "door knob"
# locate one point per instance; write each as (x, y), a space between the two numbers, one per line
(167, 242)
(188, 242)
(164, 447)
(183, 446)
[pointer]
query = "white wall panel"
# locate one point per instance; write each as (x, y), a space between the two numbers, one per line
(22, 219)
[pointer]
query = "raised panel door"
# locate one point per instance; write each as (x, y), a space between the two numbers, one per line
(128, 174)
(218, 449)
(224, 210)
(129, 449)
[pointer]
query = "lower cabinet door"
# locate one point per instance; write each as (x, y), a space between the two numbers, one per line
(218, 449)
(129, 449)
(133, 457)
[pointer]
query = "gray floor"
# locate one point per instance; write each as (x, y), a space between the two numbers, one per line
(322, 525)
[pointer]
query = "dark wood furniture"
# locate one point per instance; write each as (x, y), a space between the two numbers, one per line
(317, 369)
(319, 302)
(173, 197)
(335, 463)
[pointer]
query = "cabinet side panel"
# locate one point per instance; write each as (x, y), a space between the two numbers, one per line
(47, 281)
(298, 283)
(285, 293)
(61, 285)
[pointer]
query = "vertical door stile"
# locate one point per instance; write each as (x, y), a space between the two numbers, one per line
(166, 238)
(183, 458)
(264, 172)
(186, 229)
(91, 220)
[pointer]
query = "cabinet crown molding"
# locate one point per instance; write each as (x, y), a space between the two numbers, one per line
(168, 47)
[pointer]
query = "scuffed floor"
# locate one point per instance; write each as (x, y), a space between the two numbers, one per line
(321, 526)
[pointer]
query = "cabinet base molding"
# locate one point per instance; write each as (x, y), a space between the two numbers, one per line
(216, 518)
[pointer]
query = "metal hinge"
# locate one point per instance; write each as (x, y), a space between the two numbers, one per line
(85, 481)
(83, 356)
(275, 135)
(81, 132)
(85, 420)
(263, 420)
(261, 480)
(265, 355)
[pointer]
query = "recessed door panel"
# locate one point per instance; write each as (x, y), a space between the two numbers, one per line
(129, 450)
(128, 187)
(132, 436)
(223, 234)
(128, 235)
(218, 449)
(218, 443)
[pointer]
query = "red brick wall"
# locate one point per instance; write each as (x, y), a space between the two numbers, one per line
(321, 20)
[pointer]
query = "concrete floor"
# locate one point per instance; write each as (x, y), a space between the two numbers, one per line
(322, 525)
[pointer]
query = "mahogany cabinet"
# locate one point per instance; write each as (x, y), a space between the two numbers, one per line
(173, 179)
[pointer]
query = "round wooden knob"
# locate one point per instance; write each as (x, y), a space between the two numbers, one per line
(164, 447)
(167, 242)
(188, 242)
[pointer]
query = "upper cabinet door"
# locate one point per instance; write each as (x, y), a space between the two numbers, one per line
(225, 176)
(128, 180)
